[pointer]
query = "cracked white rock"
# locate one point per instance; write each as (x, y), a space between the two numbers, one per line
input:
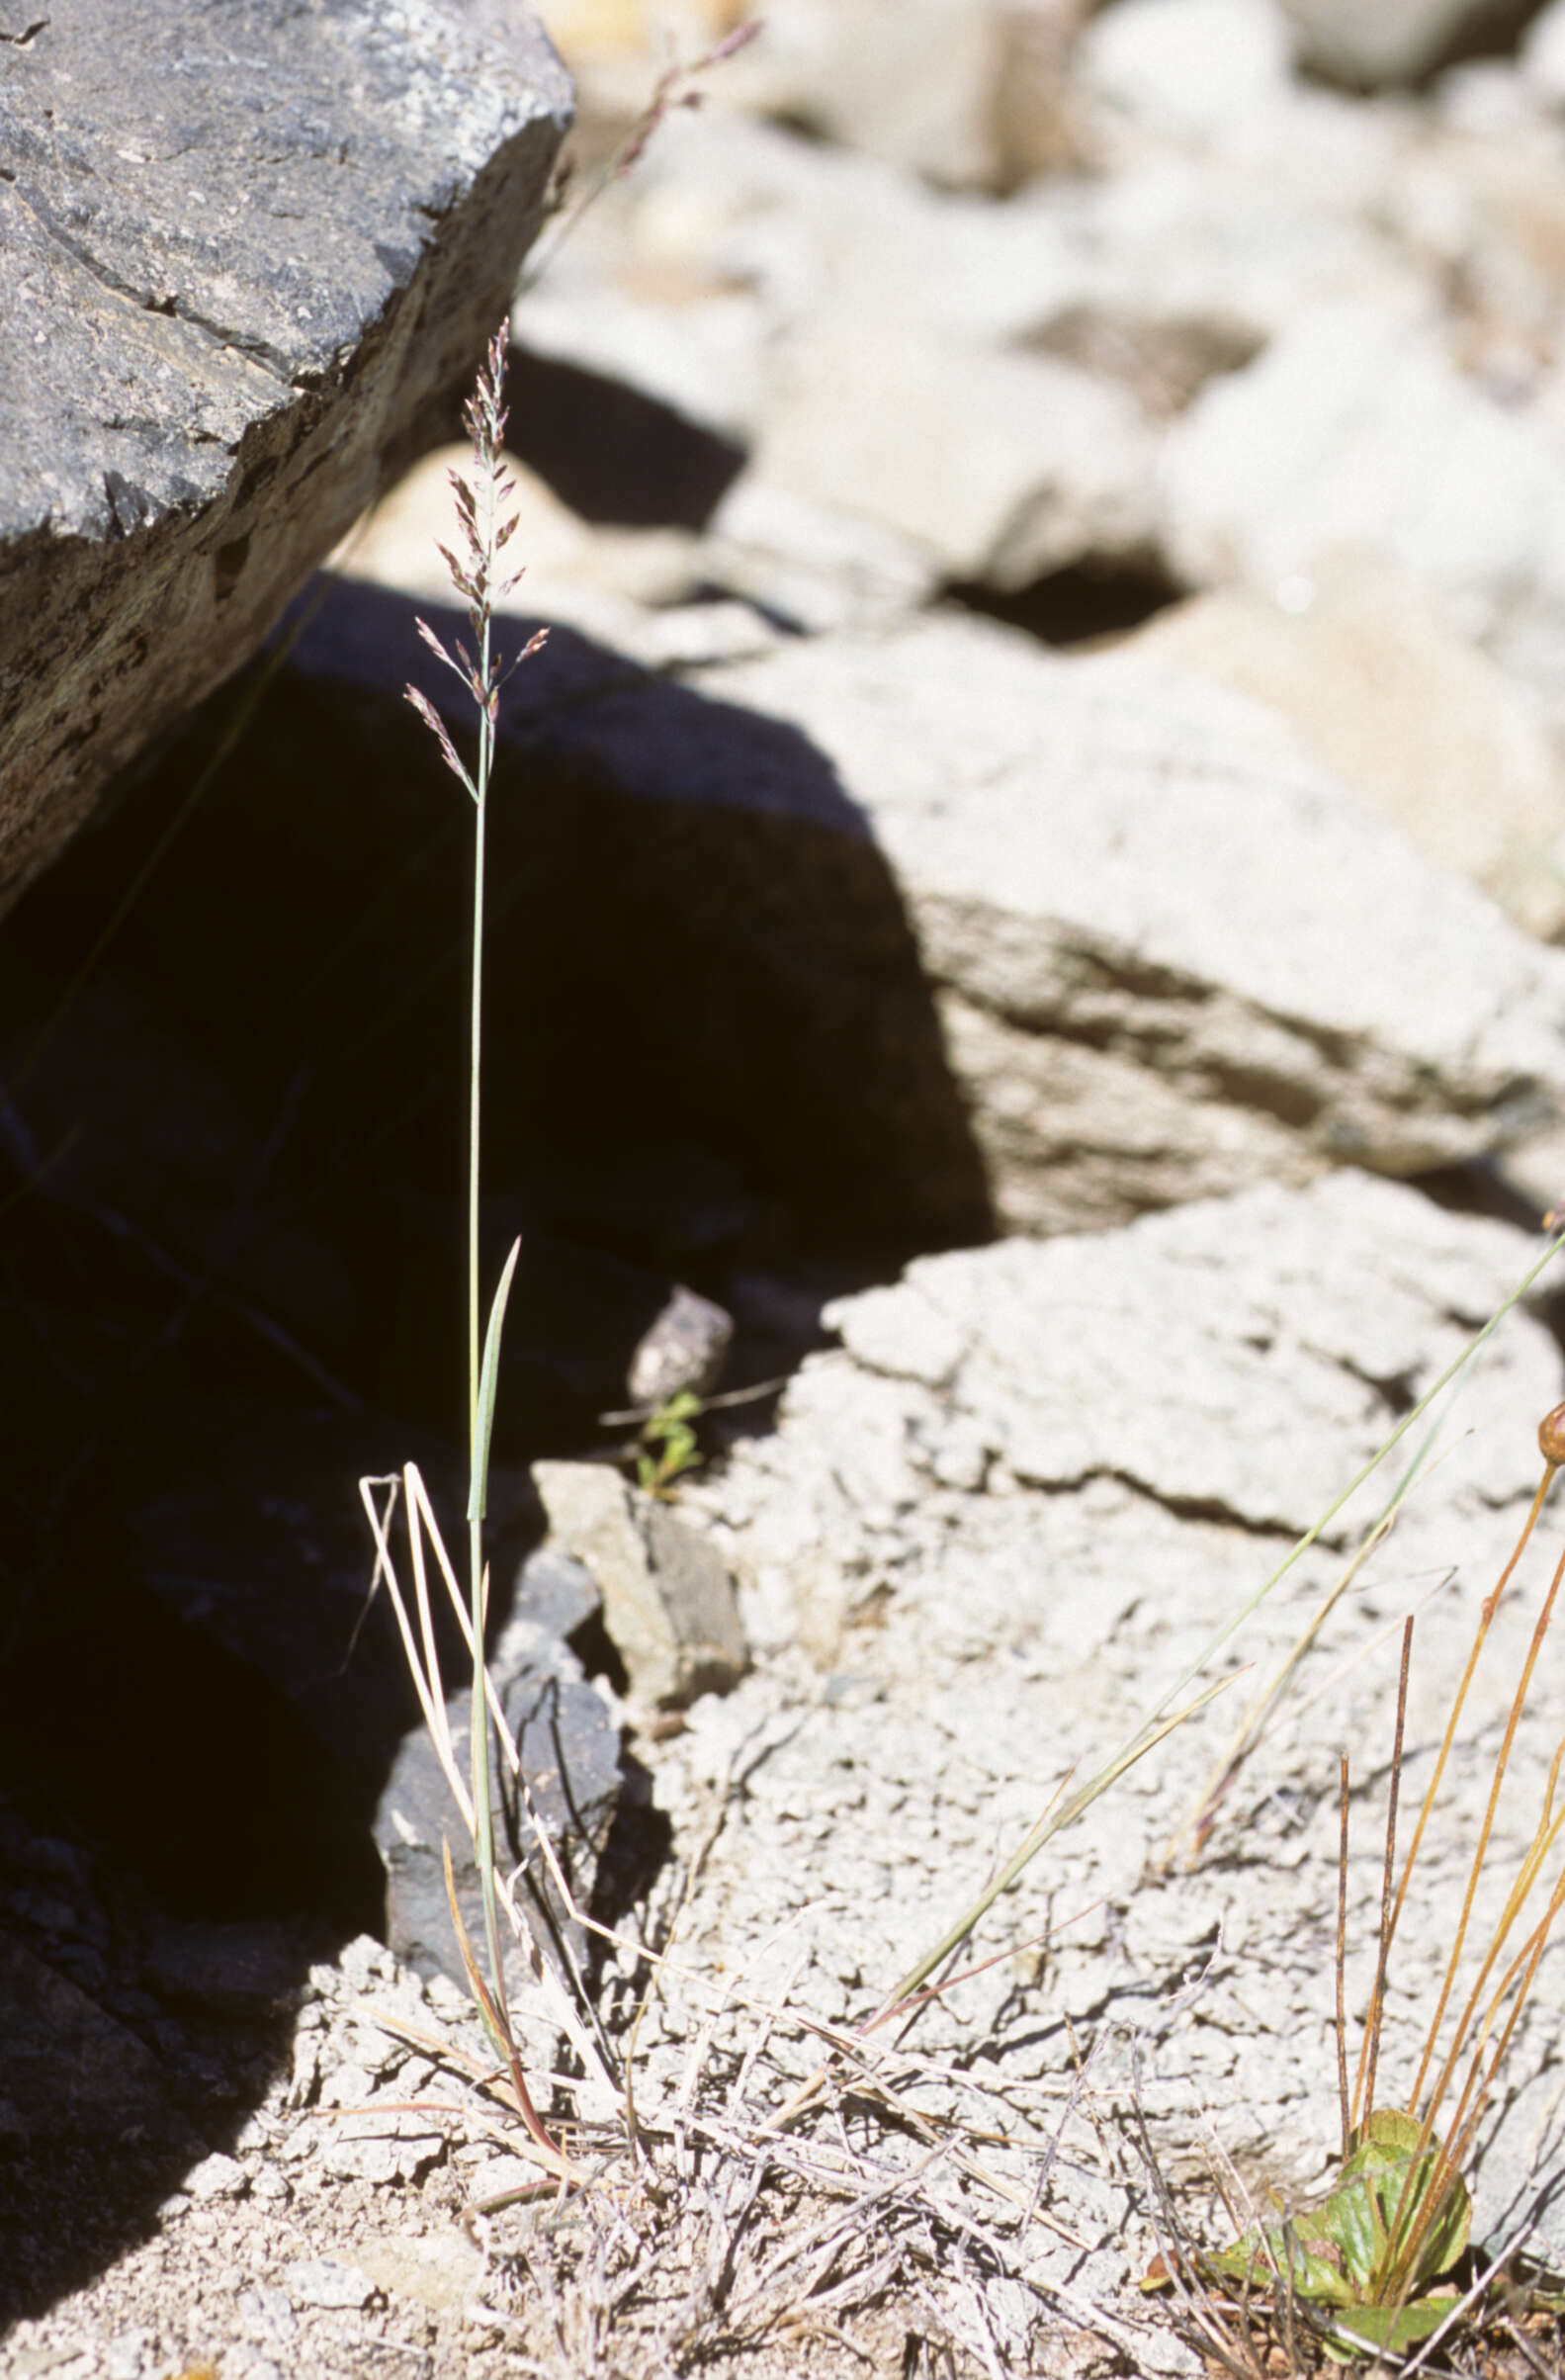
(1230, 1366)
(1171, 955)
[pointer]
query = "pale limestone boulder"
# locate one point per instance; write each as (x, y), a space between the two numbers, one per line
(1355, 435)
(1186, 69)
(1170, 954)
(1004, 468)
(1378, 690)
(1542, 56)
(668, 1600)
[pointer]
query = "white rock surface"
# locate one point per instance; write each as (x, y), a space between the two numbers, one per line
(857, 72)
(1186, 67)
(1349, 436)
(1543, 52)
(1171, 955)
(1378, 690)
(737, 234)
(1157, 1409)
(1041, 464)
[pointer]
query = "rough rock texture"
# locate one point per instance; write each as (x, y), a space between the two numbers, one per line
(1397, 40)
(1032, 1486)
(251, 255)
(668, 1600)
(685, 1348)
(1162, 953)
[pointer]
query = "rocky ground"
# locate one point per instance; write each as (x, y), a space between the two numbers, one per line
(1047, 814)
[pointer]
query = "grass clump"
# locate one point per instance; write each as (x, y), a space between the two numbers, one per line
(1381, 2262)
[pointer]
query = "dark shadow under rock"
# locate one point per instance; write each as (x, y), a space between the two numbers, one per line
(612, 453)
(709, 1046)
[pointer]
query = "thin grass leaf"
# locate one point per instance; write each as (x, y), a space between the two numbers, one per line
(1048, 1826)
(489, 1379)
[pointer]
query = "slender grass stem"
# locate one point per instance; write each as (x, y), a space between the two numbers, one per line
(1501, 1763)
(1342, 1960)
(487, 520)
(483, 1793)
(1370, 2052)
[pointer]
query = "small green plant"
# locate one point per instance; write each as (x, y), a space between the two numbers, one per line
(1372, 2266)
(668, 1444)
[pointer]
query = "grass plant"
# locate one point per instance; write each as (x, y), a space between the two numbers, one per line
(488, 518)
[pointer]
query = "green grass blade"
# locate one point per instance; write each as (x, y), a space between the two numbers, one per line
(489, 1380)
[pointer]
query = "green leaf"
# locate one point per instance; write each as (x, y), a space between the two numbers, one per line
(488, 1377)
(1396, 2326)
(1279, 2255)
(1388, 2147)
(1342, 2253)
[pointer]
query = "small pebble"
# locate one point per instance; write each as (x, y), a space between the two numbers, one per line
(218, 2176)
(130, 2355)
(322, 2281)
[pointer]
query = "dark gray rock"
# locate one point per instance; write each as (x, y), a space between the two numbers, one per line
(251, 255)
(554, 1593)
(570, 1755)
(68, 2066)
(239, 1969)
(686, 1348)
